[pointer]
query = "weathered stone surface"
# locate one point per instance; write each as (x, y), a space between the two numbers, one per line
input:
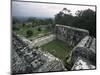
(83, 52)
(82, 64)
(43, 40)
(83, 46)
(30, 60)
(26, 59)
(70, 35)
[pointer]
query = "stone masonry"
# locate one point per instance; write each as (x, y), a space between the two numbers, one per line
(27, 59)
(83, 46)
(70, 35)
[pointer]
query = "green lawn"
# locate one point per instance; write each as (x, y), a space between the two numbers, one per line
(57, 48)
(22, 31)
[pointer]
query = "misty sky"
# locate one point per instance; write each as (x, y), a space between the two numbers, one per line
(28, 9)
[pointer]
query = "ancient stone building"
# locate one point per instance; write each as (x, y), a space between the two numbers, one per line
(27, 59)
(70, 35)
(83, 46)
(84, 53)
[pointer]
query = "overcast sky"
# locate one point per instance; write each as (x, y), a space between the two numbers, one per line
(28, 9)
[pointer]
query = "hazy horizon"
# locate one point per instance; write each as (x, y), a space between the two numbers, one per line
(43, 10)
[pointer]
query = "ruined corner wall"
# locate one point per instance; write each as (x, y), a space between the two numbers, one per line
(31, 60)
(70, 35)
(86, 48)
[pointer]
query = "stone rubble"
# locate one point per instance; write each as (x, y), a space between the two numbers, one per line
(30, 60)
(27, 59)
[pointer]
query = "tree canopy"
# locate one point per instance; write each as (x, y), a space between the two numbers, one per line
(85, 19)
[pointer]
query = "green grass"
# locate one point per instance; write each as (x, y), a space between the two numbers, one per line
(22, 31)
(57, 48)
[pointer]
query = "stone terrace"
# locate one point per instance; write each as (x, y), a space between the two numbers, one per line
(27, 59)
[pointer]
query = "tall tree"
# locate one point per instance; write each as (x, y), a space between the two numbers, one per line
(87, 20)
(64, 17)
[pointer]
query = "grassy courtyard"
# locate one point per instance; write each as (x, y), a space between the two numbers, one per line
(57, 48)
(22, 31)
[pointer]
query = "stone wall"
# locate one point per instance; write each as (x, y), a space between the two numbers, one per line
(84, 46)
(31, 60)
(70, 35)
(86, 50)
(43, 40)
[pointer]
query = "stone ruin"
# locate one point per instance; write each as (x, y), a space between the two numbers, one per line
(70, 35)
(27, 59)
(85, 52)
(83, 46)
